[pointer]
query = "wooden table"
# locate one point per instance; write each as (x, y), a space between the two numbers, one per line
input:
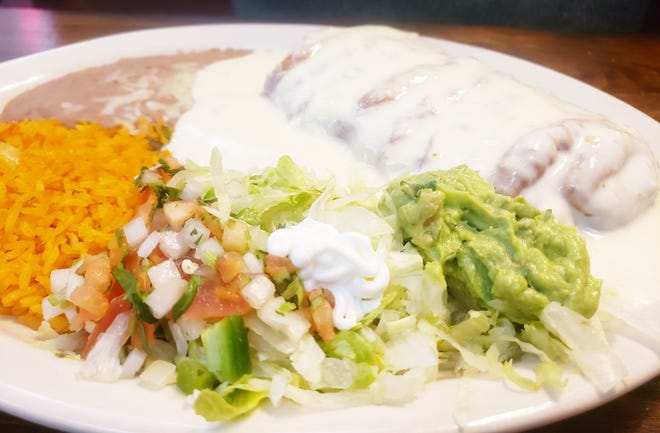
(627, 67)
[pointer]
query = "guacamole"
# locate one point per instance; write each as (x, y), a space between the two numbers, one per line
(496, 251)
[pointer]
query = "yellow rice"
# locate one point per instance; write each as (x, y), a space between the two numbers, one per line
(63, 193)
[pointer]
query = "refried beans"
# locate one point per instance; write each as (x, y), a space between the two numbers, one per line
(155, 87)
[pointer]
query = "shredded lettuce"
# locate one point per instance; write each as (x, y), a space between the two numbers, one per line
(588, 346)
(233, 401)
(452, 306)
(275, 197)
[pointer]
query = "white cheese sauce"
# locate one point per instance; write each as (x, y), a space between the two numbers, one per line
(231, 113)
(404, 106)
(369, 104)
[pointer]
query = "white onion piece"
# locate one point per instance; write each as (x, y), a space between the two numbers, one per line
(49, 310)
(291, 324)
(193, 233)
(70, 313)
(171, 245)
(59, 279)
(179, 338)
(258, 291)
(192, 190)
(133, 363)
(189, 267)
(135, 231)
(148, 245)
(102, 362)
(252, 264)
(65, 281)
(209, 248)
(168, 287)
(191, 328)
(150, 176)
(163, 272)
(162, 298)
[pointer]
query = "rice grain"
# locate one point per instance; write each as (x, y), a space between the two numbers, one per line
(71, 189)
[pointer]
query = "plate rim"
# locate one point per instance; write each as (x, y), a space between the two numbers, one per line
(67, 50)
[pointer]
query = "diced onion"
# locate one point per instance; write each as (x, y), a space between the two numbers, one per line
(49, 310)
(135, 231)
(252, 264)
(291, 324)
(259, 290)
(102, 362)
(72, 342)
(133, 363)
(171, 244)
(189, 267)
(163, 272)
(148, 245)
(208, 251)
(338, 373)
(192, 190)
(64, 281)
(164, 296)
(179, 339)
(150, 176)
(59, 279)
(193, 233)
(191, 328)
(168, 287)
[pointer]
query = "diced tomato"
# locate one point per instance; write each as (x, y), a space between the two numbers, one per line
(91, 300)
(211, 222)
(229, 265)
(132, 263)
(149, 200)
(116, 252)
(278, 268)
(216, 300)
(115, 290)
(82, 317)
(321, 311)
(117, 305)
(144, 283)
(90, 297)
(149, 333)
(178, 211)
(157, 256)
(97, 271)
(158, 220)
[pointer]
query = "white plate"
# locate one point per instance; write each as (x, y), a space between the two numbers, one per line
(36, 385)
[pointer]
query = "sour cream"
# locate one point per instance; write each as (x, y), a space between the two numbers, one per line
(343, 263)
